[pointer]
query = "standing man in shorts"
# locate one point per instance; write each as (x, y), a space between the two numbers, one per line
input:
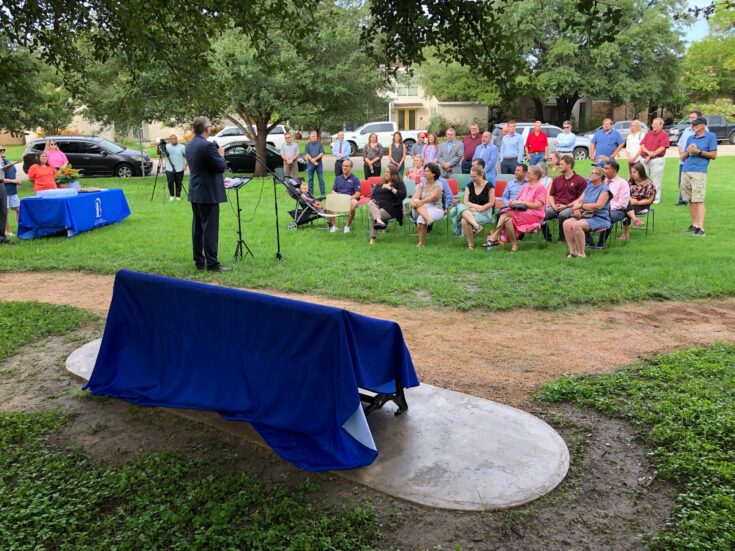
(11, 191)
(701, 148)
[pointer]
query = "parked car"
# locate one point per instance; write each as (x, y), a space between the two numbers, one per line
(384, 130)
(240, 161)
(581, 146)
(621, 126)
(93, 156)
(231, 134)
(715, 123)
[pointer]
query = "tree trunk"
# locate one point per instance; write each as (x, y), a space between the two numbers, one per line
(261, 125)
(539, 107)
(564, 105)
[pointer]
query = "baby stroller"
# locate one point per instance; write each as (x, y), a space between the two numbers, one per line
(305, 212)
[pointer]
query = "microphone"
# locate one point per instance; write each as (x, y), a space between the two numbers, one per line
(215, 144)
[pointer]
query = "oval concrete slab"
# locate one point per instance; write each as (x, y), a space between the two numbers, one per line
(449, 450)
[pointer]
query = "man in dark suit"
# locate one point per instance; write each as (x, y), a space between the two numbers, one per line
(206, 191)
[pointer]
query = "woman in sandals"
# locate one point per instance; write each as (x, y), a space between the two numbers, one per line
(427, 201)
(386, 201)
(477, 209)
(591, 212)
(642, 194)
(526, 213)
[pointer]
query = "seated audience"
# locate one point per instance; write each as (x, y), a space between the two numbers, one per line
(545, 180)
(477, 209)
(620, 190)
(590, 212)
(386, 202)
(565, 189)
(56, 157)
(427, 201)
(307, 196)
(642, 195)
(347, 184)
(552, 165)
(416, 172)
(525, 213)
(514, 186)
(41, 174)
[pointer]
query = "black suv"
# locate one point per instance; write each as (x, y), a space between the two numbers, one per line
(239, 160)
(94, 156)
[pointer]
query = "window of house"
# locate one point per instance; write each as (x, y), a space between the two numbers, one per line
(407, 86)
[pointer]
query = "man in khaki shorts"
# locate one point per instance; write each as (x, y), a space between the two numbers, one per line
(701, 148)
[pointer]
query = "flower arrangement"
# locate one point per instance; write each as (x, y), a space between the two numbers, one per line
(66, 175)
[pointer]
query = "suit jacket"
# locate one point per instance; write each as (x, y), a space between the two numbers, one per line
(206, 169)
(453, 157)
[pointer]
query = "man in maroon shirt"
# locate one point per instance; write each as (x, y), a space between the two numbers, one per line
(470, 143)
(653, 151)
(565, 189)
(537, 145)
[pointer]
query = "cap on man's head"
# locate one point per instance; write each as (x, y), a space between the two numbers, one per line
(699, 120)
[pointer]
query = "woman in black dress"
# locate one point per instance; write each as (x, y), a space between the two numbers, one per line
(386, 202)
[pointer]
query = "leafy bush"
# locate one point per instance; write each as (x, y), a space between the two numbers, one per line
(683, 404)
(721, 106)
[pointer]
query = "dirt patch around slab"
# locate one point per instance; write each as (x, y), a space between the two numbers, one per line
(609, 500)
(501, 356)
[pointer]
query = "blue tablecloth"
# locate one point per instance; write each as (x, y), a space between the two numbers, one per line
(290, 368)
(41, 216)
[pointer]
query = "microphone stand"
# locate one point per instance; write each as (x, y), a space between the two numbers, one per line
(276, 180)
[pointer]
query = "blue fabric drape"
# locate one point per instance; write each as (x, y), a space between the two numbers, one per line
(290, 368)
(41, 216)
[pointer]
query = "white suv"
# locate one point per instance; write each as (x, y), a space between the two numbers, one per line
(231, 134)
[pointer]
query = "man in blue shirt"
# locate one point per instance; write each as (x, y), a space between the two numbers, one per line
(347, 184)
(341, 151)
(511, 149)
(488, 152)
(681, 146)
(514, 186)
(314, 153)
(175, 160)
(701, 148)
(606, 143)
(566, 140)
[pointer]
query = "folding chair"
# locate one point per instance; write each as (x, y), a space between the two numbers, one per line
(648, 214)
(338, 204)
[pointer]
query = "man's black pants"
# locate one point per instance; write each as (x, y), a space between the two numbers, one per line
(205, 234)
(175, 180)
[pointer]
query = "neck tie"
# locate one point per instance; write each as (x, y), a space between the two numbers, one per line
(340, 148)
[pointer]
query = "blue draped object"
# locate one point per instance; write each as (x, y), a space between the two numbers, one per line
(41, 216)
(292, 369)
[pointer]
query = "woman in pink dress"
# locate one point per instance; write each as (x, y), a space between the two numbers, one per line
(56, 157)
(525, 214)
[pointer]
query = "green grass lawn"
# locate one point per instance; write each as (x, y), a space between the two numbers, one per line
(671, 264)
(683, 406)
(52, 498)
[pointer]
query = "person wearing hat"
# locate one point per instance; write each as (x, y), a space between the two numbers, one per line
(701, 148)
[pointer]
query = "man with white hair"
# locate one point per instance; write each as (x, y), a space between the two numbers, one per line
(653, 151)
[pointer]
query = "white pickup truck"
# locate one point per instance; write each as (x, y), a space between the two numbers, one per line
(384, 130)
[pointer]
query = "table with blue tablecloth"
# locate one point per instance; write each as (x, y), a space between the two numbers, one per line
(292, 369)
(41, 216)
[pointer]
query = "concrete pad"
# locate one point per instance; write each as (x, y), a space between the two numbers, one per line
(449, 450)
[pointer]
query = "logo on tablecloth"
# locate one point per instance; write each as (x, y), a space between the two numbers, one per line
(98, 208)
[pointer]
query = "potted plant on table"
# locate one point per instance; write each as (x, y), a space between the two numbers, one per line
(68, 177)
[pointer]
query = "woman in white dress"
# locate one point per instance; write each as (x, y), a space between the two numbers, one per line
(633, 142)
